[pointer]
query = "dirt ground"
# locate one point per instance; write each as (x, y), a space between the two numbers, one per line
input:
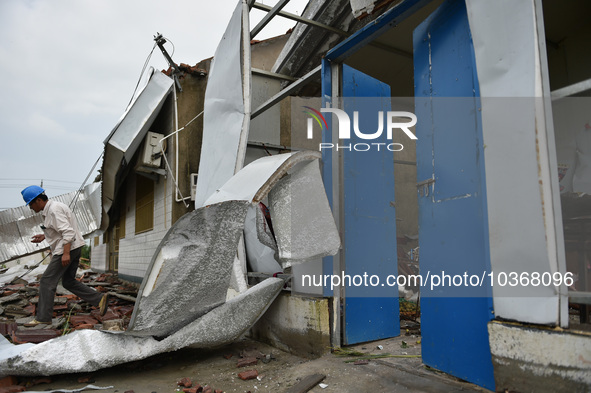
(218, 368)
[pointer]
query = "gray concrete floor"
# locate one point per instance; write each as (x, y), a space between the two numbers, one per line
(161, 373)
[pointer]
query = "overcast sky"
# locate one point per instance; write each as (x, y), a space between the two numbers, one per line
(69, 68)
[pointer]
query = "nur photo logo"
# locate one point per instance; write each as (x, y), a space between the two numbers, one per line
(386, 122)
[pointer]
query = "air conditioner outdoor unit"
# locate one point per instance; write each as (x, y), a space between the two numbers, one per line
(193, 185)
(152, 154)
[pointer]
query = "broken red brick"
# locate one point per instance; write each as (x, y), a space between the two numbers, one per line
(30, 308)
(14, 287)
(207, 389)
(197, 388)
(22, 336)
(250, 374)
(186, 382)
(86, 379)
(124, 310)
(84, 326)
(228, 356)
(247, 362)
(7, 328)
(65, 298)
(8, 381)
(77, 320)
(218, 391)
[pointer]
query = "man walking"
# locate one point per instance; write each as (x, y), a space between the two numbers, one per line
(65, 241)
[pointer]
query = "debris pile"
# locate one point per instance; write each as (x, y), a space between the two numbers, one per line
(187, 386)
(19, 298)
(409, 310)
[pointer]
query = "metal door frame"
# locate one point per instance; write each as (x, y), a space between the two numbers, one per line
(333, 163)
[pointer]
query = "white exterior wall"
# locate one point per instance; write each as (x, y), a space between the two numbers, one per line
(98, 257)
(525, 220)
(135, 251)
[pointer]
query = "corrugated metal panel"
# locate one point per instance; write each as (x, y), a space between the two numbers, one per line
(126, 137)
(19, 224)
(220, 151)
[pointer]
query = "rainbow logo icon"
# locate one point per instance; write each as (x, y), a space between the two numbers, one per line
(317, 116)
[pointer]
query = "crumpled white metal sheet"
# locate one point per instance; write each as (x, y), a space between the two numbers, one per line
(203, 241)
(190, 272)
(21, 271)
(223, 114)
(129, 133)
(90, 350)
(302, 220)
(261, 257)
(256, 179)
(198, 250)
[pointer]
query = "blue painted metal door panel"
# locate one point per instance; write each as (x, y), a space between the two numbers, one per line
(453, 223)
(370, 312)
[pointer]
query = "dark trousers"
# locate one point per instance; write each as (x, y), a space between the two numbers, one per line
(54, 272)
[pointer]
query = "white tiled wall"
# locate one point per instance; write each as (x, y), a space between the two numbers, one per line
(136, 251)
(98, 257)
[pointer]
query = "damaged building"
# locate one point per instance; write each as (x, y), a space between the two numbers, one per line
(262, 183)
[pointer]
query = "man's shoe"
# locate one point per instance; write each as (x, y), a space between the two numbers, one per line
(104, 304)
(34, 322)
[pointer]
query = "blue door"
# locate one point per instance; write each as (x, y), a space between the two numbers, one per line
(453, 222)
(370, 310)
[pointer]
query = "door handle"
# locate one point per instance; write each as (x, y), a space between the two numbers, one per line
(423, 186)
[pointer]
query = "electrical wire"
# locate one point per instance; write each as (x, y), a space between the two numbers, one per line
(84, 182)
(57, 181)
(171, 43)
(141, 74)
(75, 199)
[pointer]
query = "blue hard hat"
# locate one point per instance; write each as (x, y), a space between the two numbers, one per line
(31, 192)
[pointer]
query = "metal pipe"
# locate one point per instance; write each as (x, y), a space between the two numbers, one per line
(267, 18)
(298, 18)
(176, 147)
(258, 71)
(285, 92)
(246, 88)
